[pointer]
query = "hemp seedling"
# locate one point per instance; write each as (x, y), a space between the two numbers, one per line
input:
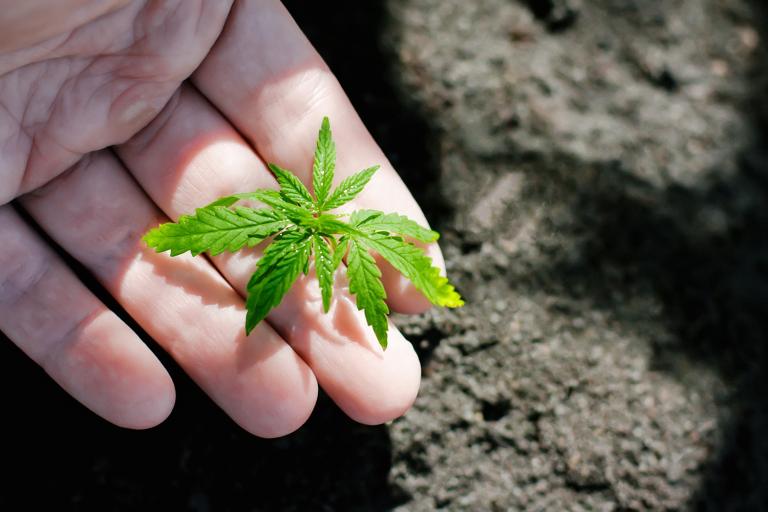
(301, 227)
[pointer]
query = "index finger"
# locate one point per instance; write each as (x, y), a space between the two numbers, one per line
(276, 90)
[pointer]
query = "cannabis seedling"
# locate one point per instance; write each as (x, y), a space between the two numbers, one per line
(301, 227)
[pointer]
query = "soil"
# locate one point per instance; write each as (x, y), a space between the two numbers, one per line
(599, 172)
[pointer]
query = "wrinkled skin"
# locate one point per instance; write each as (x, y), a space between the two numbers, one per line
(117, 115)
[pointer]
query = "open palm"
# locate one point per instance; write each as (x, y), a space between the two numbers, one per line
(115, 116)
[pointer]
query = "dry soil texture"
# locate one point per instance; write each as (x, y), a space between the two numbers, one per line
(604, 168)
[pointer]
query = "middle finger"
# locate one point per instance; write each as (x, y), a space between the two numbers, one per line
(189, 156)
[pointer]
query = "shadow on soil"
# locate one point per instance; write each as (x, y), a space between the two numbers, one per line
(713, 283)
(703, 252)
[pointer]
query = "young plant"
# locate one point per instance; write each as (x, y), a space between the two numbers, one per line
(301, 228)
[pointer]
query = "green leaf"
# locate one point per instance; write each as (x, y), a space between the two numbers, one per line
(226, 200)
(324, 164)
(340, 251)
(359, 217)
(274, 199)
(365, 284)
(349, 188)
(291, 188)
(370, 221)
(414, 264)
(301, 226)
(271, 198)
(216, 229)
(276, 271)
(331, 225)
(324, 269)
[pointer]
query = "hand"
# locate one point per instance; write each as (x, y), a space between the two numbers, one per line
(116, 75)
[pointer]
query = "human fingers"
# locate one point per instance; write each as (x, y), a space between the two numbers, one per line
(189, 157)
(268, 80)
(25, 23)
(97, 213)
(48, 313)
(106, 72)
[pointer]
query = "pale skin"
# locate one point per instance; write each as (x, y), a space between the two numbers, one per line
(118, 115)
